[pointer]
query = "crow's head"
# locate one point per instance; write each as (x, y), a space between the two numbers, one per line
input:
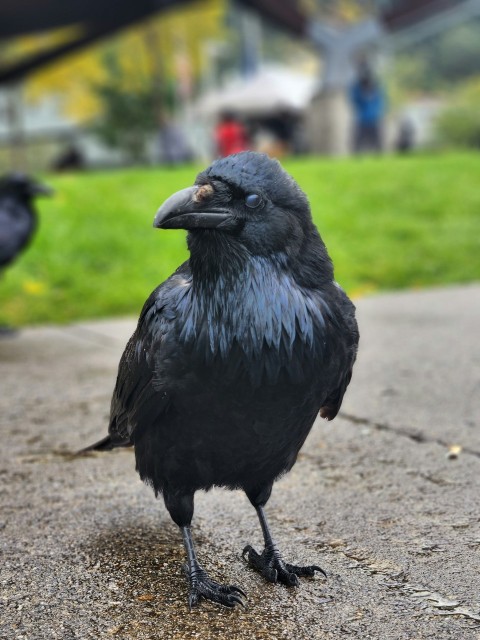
(22, 187)
(247, 198)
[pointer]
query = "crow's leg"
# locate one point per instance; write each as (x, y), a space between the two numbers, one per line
(270, 562)
(180, 507)
(201, 585)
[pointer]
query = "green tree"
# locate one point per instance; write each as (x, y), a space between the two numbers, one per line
(459, 124)
(440, 62)
(127, 116)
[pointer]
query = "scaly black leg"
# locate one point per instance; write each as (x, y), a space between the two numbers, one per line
(270, 562)
(201, 585)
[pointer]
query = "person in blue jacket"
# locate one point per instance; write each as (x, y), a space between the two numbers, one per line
(368, 102)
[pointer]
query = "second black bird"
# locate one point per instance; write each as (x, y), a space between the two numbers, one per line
(18, 219)
(236, 354)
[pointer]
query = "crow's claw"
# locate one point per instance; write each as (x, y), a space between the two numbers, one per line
(308, 571)
(247, 549)
(201, 586)
(237, 589)
(270, 564)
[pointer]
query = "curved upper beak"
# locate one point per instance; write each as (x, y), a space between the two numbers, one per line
(182, 211)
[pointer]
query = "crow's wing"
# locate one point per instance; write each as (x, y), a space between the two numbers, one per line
(141, 393)
(347, 337)
(332, 404)
(17, 224)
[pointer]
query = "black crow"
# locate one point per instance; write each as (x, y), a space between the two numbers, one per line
(18, 219)
(235, 354)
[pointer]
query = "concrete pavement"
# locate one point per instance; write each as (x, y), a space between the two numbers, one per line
(385, 498)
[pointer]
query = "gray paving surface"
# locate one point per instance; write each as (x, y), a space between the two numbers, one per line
(377, 497)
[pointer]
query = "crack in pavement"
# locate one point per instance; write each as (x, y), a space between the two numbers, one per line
(434, 602)
(415, 435)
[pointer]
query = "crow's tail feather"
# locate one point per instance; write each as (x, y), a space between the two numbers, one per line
(105, 444)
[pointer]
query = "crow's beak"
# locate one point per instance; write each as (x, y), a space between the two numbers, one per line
(184, 210)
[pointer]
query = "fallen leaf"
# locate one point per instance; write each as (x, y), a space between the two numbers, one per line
(454, 450)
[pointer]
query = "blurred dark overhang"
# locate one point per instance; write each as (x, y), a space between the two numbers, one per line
(95, 19)
(402, 14)
(286, 14)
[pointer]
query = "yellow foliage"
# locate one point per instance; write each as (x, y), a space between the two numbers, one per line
(160, 47)
(350, 11)
(33, 287)
(344, 10)
(24, 46)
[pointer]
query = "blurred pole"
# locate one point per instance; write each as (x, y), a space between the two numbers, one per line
(184, 86)
(152, 38)
(213, 54)
(250, 43)
(15, 125)
(183, 71)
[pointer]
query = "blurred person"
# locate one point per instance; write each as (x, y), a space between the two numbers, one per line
(70, 159)
(174, 148)
(368, 102)
(406, 136)
(230, 135)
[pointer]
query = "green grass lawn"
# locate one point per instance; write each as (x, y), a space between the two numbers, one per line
(388, 223)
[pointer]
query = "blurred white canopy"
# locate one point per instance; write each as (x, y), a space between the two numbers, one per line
(271, 89)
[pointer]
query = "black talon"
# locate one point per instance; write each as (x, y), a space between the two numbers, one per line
(193, 600)
(248, 548)
(237, 600)
(270, 562)
(308, 571)
(294, 581)
(210, 590)
(315, 567)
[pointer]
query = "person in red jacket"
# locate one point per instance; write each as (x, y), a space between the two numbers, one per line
(230, 135)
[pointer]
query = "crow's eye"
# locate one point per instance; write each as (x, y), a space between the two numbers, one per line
(253, 200)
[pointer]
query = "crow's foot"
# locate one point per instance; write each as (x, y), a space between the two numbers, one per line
(272, 567)
(202, 586)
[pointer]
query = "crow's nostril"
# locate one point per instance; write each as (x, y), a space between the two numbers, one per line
(203, 193)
